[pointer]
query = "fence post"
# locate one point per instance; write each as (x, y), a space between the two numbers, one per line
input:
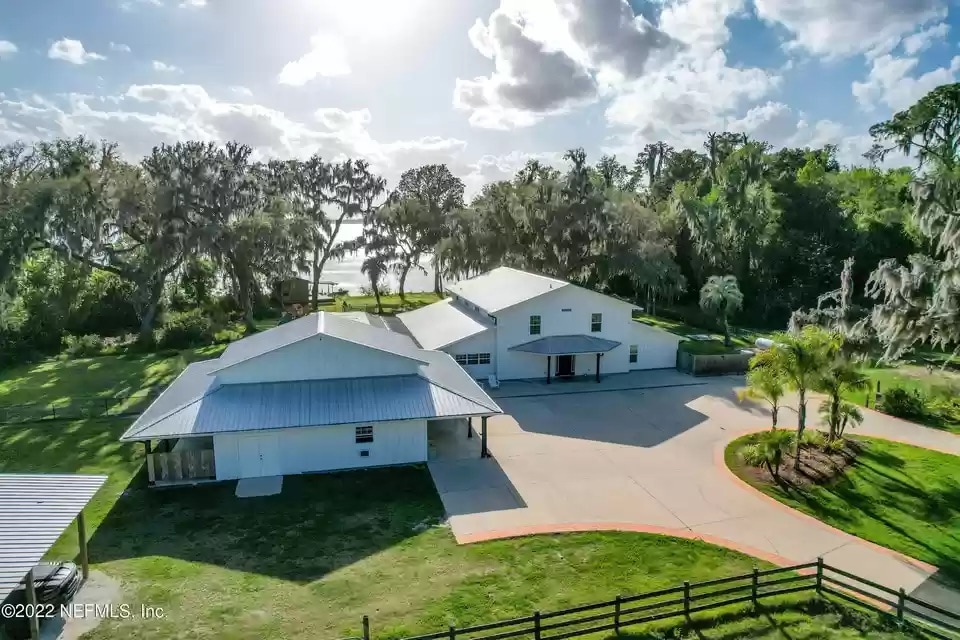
(901, 602)
(820, 575)
(616, 615)
(453, 632)
(686, 599)
(536, 625)
(53, 410)
(754, 586)
(366, 628)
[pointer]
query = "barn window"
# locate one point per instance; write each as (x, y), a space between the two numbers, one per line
(364, 435)
(596, 322)
(473, 358)
(534, 325)
(633, 353)
(484, 358)
(461, 358)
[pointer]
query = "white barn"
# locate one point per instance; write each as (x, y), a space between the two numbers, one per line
(320, 393)
(512, 324)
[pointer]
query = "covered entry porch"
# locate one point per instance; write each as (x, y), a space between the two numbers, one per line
(457, 438)
(563, 352)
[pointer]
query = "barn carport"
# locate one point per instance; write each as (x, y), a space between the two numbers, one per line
(35, 510)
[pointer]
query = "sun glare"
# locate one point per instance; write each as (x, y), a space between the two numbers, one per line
(370, 19)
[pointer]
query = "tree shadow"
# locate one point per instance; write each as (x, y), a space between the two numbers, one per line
(318, 523)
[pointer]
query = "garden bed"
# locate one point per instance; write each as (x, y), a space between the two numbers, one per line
(819, 465)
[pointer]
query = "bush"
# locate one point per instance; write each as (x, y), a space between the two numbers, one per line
(83, 346)
(813, 438)
(186, 330)
(903, 403)
(769, 450)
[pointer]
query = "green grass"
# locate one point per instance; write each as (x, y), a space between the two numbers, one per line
(740, 338)
(901, 497)
(391, 302)
(912, 377)
(311, 562)
(59, 380)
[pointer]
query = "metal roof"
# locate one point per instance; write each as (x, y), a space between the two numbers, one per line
(34, 511)
(443, 323)
(278, 405)
(323, 322)
(504, 287)
(565, 345)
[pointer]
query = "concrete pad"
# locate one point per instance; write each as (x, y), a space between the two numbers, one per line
(259, 487)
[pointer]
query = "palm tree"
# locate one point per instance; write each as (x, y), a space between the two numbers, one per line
(375, 267)
(721, 296)
(802, 358)
(842, 415)
(841, 376)
(769, 451)
(766, 381)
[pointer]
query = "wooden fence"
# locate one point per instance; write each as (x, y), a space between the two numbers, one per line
(694, 597)
(719, 364)
(77, 408)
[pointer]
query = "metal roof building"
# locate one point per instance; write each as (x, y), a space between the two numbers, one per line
(35, 510)
(504, 287)
(443, 323)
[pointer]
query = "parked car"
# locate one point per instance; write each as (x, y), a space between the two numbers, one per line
(55, 583)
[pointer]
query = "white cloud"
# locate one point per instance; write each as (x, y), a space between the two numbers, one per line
(119, 47)
(163, 67)
(7, 49)
(889, 82)
(923, 39)
(193, 4)
(700, 24)
(327, 57)
(72, 51)
(146, 115)
(831, 28)
(241, 91)
(551, 56)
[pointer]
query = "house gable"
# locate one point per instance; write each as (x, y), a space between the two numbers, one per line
(316, 358)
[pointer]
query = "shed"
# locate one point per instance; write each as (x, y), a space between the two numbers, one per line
(35, 510)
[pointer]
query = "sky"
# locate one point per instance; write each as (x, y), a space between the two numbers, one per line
(481, 85)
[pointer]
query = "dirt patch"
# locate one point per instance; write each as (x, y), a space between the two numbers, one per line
(818, 465)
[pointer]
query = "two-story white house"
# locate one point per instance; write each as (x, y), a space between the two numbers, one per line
(513, 325)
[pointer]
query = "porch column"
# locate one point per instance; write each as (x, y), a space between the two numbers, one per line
(548, 369)
(151, 471)
(82, 537)
(598, 367)
(32, 604)
(469, 427)
(483, 438)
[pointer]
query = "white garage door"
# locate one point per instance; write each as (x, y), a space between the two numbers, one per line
(656, 355)
(259, 456)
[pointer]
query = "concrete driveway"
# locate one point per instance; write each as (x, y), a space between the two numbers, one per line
(652, 460)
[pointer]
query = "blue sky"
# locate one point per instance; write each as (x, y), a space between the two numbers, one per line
(479, 84)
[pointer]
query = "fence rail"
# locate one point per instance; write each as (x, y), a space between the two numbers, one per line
(77, 408)
(690, 598)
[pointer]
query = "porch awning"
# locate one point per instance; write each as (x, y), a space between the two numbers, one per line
(566, 345)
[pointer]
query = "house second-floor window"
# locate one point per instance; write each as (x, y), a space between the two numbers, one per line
(596, 322)
(364, 435)
(534, 325)
(633, 353)
(472, 358)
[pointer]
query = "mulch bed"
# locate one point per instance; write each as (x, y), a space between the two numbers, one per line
(817, 466)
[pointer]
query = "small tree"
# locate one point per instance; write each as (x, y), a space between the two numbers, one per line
(803, 358)
(839, 377)
(766, 381)
(375, 267)
(721, 296)
(769, 451)
(840, 416)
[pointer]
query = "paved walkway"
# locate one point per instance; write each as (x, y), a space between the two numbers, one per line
(652, 460)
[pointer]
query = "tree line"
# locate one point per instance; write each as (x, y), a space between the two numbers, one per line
(93, 243)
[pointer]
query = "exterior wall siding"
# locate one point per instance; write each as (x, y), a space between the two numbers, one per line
(513, 328)
(317, 358)
(656, 349)
(314, 449)
(485, 342)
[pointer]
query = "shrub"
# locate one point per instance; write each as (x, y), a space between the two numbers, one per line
(813, 438)
(83, 346)
(769, 450)
(185, 330)
(903, 403)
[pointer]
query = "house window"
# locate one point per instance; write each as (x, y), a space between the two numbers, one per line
(461, 358)
(473, 358)
(364, 435)
(596, 322)
(633, 353)
(484, 358)
(534, 325)
(464, 359)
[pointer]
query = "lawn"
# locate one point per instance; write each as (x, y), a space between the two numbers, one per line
(898, 496)
(741, 338)
(913, 377)
(391, 302)
(331, 548)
